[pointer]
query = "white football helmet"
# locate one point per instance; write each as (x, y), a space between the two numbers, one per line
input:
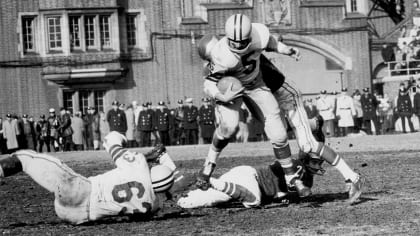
(162, 178)
(238, 30)
(205, 45)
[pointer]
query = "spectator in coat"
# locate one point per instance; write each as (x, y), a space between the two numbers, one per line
(136, 110)
(190, 122)
(10, 131)
(179, 132)
(310, 109)
(103, 126)
(163, 123)
(78, 126)
(358, 119)
(325, 108)
(416, 102)
(145, 126)
(369, 106)
(405, 109)
(28, 133)
(3, 146)
(345, 112)
(96, 129)
(116, 119)
(88, 130)
(43, 133)
(387, 53)
(206, 117)
(385, 113)
(65, 130)
(54, 124)
(131, 124)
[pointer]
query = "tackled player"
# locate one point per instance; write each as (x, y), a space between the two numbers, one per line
(130, 189)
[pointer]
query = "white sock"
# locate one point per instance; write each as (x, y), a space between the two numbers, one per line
(212, 156)
(1, 172)
(346, 171)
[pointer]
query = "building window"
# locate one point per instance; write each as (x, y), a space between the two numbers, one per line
(131, 30)
(28, 34)
(90, 32)
(75, 33)
(54, 33)
(99, 97)
(105, 31)
(68, 101)
(357, 6)
(353, 5)
(83, 101)
(194, 8)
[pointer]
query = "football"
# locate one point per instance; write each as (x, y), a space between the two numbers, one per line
(225, 82)
(162, 178)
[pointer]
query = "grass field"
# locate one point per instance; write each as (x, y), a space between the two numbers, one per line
(390, 204)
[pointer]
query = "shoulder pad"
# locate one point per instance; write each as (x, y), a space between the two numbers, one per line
(260, 35)
(221, 55)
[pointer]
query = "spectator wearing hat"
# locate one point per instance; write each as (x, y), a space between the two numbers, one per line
(65, 130)
(131, 124)
(116, 119)
(416, 102)
(243, 133)
(54, 124)
(3, 146)
(163, 123)
(405, 109)
(310, 109)
(190, 122)
(369, 106)
(345, 112)
(179, 134)
(145, 126)
(136, 112)
(78, 126)
(385, 113)
(358, 119)
(42, 128)
(206, 117)
(103, 126)
(10, 131)
(325, 107)
(90, 126)
(28, 133)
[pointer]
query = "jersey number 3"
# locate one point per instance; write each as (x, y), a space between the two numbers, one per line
(124, 193)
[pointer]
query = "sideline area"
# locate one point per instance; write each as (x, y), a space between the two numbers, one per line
(394, 142)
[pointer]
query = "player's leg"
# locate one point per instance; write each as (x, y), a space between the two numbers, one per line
(293, 105)
(227, 120)
(264, 107)
(72, 191)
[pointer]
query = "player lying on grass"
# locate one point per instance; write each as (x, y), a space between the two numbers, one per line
(248, 185)
(131, 188)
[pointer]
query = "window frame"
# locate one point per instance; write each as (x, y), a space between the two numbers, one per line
(80, 32)
(60, 33)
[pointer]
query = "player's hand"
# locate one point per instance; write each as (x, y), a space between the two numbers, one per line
(295, 53)
(230, 95)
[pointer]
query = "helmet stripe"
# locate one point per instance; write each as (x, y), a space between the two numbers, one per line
(240, 27)
(234, 27)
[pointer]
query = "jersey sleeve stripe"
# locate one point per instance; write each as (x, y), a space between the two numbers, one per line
(116, 152)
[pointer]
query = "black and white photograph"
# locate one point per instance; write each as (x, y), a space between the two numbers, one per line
(210, 117)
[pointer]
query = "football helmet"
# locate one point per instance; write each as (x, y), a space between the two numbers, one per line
(162, 178)
(238, 30)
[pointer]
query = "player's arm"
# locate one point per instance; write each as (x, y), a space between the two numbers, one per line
(211, 89)
(278, 46)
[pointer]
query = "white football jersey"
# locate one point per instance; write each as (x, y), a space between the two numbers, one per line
(126, 189)
(244, 66)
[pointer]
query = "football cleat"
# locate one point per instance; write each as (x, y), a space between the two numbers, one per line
(355, 189)
(203, 177)
(154, 154)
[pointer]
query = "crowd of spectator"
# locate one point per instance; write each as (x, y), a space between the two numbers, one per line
(143, 126)
(365, 112)
(344, 114)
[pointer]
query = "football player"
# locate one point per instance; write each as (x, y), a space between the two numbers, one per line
(131, 188)
(239, 54)
(248, 185)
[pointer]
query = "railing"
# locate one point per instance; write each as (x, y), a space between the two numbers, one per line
(396, 68)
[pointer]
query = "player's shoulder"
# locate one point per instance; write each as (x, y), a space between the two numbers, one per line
(222, 55)
(260, 34)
